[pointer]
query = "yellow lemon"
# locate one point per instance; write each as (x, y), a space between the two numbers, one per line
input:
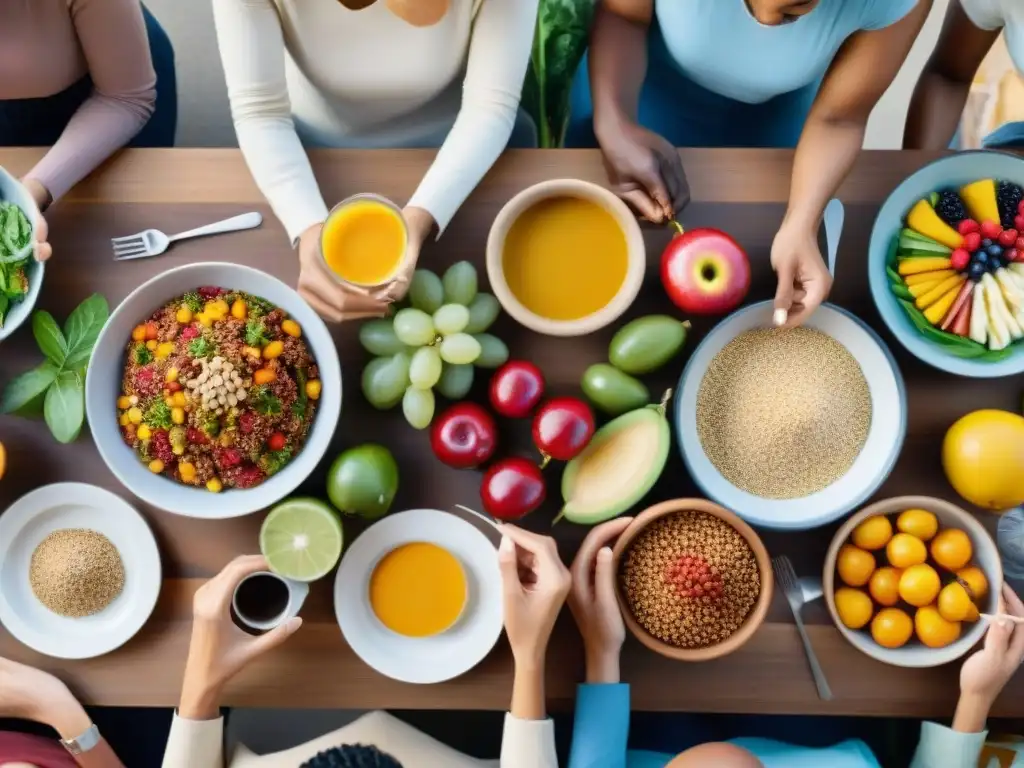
(983, 455)
(873, 533)
(954, 602)
(951, 549)
(885, 586)
(855, 566)
(904, 550)
(853, 607)
(918, 522)
(891, 628)
(933, 630)
(919, 584)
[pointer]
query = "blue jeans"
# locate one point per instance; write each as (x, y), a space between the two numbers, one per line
(40, 122)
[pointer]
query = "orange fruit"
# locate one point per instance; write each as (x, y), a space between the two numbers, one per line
(873, 533)
(954, 602)
(972, 613)
(905, 550)
(891, 628)
(933, 630)
(975, 579)
(952, 549)
(855, 566)
(853, 607)
(983, 455)
(918, 522)
(919, 584)
(885, 586)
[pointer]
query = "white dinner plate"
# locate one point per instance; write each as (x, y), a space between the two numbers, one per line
(76, 505)
(423, 659)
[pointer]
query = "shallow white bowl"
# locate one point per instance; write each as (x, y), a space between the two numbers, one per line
(423, 659)
(76, 505)
(986, 557)
(103, 384)
(12, 191)
(869, 470)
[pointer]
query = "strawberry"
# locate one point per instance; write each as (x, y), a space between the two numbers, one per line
(1018, 222)
(1013, 254)
(1008, 238)
(991, 229)
(972, 241)
(1020, 207)
(248, 476)
(966, 226)
(228, 458)
(961, 258)
(1019, 245)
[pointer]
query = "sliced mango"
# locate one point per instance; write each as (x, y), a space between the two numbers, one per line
(926, 221)
(938, 309)
(936, 294)
(929, 277)
(980, 199)
(920, 289)
(917, 266)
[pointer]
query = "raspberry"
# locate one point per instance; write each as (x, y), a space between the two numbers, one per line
(246, 422)
(248, 476)
(967, 226)
(195, 436)
(960, 259)
(991, 229)
(228, 458)
(188, 333)
(210, 291)
(693, 577)
(146, 382)
(1008, 238)
(1012, 255)
(972, 241)
(1019, 245)
(160, 446)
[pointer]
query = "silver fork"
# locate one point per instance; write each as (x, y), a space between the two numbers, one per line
(785, 577)
(153, 242)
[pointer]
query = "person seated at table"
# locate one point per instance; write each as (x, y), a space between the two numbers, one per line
(30, 694)
(970, 30)
(85, 78)
(601, 729)
(535, 584)
(372, 74)
(741, 73)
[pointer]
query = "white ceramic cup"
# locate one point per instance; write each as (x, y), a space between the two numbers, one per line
(297, 593)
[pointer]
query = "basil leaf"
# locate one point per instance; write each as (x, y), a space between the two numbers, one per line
(49, 338)
(24, 394)
(83, 327)
(64, 408)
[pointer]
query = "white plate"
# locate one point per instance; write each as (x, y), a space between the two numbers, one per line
(76, 505)
(869, 470)
(427, 659)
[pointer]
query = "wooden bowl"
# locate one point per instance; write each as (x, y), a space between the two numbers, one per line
(986, 557)
(562, 188)
(764, 565)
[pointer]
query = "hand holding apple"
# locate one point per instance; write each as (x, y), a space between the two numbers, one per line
(705, 272)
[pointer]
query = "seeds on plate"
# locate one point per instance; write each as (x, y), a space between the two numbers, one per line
(690, 579)
(783, 414)
(76, 572)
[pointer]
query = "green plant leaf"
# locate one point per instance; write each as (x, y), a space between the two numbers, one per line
(893, 252)
(64, 408)
(24, 394)
(49, 338)
(83, 327)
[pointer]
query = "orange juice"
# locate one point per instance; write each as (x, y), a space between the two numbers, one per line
(363, 240)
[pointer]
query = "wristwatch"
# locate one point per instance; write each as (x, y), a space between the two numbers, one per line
(83, 743)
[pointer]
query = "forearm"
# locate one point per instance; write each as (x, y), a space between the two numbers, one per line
(618, 65)
(528, 702)
(935, 111)
(971, 714)
(602, 666)
(71, 721)
(827, 151)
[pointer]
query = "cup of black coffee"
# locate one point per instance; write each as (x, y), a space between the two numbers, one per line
(265, 600)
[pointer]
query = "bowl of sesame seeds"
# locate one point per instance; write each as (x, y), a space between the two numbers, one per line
(694, 580)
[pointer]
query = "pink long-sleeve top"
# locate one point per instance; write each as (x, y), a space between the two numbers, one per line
(48, 45)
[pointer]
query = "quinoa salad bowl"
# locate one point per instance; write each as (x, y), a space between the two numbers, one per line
(213, 391)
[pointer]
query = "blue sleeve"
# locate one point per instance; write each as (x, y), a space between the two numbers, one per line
(600, 732)
(879, 14)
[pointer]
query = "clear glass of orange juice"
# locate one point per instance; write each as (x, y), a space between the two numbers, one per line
(364, 239)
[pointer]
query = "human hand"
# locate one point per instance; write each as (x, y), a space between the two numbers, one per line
(219, 649)
(987, 671)
(28, 693)
(645, 170)
(804, 280)
(41, 196)
(332, 299)
(535, 584)
(593, 604)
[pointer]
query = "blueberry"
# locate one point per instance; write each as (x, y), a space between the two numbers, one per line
(981, 257)
(976, 271)
(986, 243)
(995, 264)
(995, 250)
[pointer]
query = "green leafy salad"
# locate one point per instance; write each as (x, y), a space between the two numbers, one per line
(15, 234)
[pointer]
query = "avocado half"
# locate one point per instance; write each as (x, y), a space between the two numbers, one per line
(617, 468)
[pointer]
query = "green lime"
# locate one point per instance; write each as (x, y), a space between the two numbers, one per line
(301, 539)
(363, 481)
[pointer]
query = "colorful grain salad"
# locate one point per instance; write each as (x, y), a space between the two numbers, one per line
(219, 390)
(15, 234)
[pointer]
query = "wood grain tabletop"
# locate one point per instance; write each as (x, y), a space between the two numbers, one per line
(740, 191)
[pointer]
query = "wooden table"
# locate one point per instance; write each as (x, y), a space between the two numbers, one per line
(742, 192)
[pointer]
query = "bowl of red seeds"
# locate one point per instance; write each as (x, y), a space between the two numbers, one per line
(694, 580)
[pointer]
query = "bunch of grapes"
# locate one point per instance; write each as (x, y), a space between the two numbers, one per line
(433, 344)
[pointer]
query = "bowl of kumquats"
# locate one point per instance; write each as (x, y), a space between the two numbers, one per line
(907, 578)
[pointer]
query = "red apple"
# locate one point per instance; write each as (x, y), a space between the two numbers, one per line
(464, 436)
(705, 272)
(562, 428)
(512, 488)
(516, 388)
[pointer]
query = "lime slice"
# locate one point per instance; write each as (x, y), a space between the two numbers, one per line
(301, 539)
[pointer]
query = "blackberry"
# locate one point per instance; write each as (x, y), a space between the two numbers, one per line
(352, 756)
(1008, 195)
(951, 208)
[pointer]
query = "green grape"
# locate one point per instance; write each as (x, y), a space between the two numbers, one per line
(455, 381)
(460, 283)
(425, 369)
(483, 311)
(418, 407)
(378, 338)
(414, 327)
(426, 291)
(451, 318)
(460, 349)
(385, 379)
(493, 351)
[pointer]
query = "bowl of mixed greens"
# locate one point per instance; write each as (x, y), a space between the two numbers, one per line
(20, 274)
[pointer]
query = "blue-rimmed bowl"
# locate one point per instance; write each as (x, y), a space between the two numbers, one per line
(953, 171)
(13, 191)
(869, 470)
